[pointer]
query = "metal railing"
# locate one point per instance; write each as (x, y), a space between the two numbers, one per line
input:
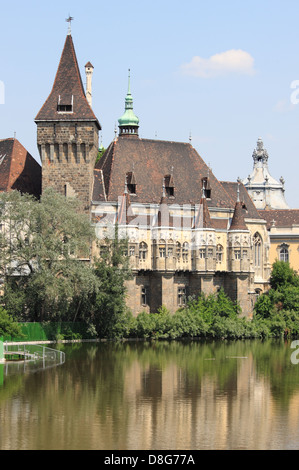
(34, 352)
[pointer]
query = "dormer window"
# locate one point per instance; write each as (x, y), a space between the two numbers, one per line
(131, 182)
(65, 105)
(169, 185)
(205, 182)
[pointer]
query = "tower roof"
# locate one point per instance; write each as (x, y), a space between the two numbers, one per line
(128, 119)
(203, 218)
(67, 100)
(238, 220)
(18, 169)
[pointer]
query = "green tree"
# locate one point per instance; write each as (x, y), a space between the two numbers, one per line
(8, 327)
(45, 253)
(112, 269)
(283, 275)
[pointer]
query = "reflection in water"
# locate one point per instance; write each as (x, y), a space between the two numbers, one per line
(135, 395)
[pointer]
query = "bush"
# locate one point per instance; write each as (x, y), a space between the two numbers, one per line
(8, 327)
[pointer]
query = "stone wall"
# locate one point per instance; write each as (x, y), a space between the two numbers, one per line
(68, 151)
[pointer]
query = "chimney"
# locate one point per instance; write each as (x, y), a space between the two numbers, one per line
(89, 71)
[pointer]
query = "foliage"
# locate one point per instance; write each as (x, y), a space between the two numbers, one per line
(112, 270)
(42, 247)
(101, 152)
(279, 307)
(283, 275)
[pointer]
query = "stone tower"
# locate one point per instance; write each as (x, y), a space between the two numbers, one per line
(67, 132)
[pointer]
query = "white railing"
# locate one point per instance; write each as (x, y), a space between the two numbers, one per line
(34, 352)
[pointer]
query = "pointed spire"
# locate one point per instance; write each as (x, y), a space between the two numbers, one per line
(129, 122)
(163, 214)
(67, 100)
(125, 213)
(238, 220)
(203, 218)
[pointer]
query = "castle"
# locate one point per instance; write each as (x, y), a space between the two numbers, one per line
(187, 231)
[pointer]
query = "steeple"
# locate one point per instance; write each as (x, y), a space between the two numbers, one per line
(238, 220)
(129, 123)
(67, 100)
(68, 131)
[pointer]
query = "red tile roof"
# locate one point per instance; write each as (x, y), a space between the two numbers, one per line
(18, 169)
(281, 218)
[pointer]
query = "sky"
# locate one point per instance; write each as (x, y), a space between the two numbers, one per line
(224, 73)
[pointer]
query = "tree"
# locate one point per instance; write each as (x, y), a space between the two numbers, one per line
(7, 325)
(284, 293)
(283, 275)
(112, 269)
(45, 254)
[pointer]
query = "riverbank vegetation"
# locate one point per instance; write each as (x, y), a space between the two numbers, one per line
(45, 265)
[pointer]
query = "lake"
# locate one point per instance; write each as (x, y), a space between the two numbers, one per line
(188, 395)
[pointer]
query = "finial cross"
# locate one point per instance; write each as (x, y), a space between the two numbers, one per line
(69, 20)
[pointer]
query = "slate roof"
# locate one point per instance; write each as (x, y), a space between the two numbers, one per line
(151, 161)
(250, 211)
(18, 169)
(67, 89)
(283, 218)
(238, 220)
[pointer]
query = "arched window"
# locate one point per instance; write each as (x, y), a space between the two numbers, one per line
(178, 250)
(257, 250)
(219, 253)
(185, 251)
(284, 253)
(142, 250)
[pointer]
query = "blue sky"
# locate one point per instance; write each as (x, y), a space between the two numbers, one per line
(221, 71)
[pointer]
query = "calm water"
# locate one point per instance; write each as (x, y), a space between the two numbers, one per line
(158, 396)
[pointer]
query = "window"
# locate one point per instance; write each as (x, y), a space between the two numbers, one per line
(219, 253)
(257, 250)
(185, 251)
(178, 250)
(169, 185)
(238, 254)
(64, 108)
(131, 250)
(162, 249)
(205, 182)
(142, 250)
(131, 182)
(284, 253)
(202, 253)
(181, 296)
(144, 295)
(210, 252)
(170, 251)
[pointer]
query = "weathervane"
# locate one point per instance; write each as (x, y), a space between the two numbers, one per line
(69, 20)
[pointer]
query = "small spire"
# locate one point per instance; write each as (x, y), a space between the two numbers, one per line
(129, 81)
(69, 21)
